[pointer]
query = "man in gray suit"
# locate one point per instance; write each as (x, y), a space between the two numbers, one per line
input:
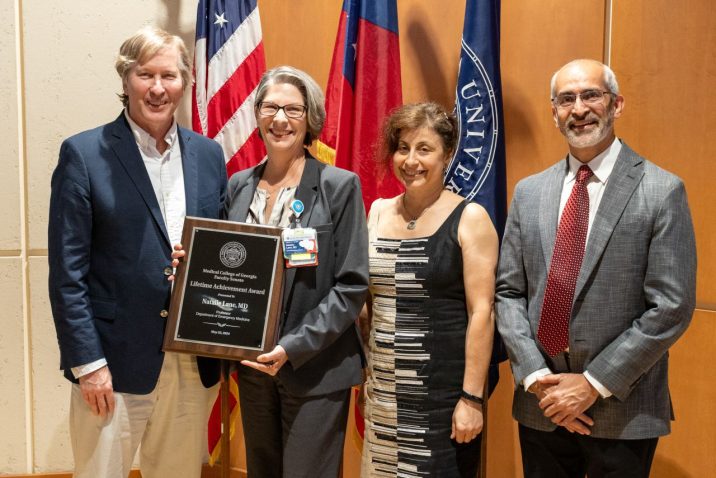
(596, 281)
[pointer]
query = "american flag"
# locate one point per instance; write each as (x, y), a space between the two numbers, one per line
(228, 63)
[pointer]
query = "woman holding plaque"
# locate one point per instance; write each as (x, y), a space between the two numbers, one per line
(295, 399)
(432, 274)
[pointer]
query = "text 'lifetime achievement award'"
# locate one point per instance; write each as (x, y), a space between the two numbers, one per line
(227, 297)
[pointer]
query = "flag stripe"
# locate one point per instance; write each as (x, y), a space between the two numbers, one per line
(363, 87)
(245, 157)
(334, 89)
(199, 122)
(381, 14)
(214, 432)
(238, 128)
(234, 92)
(233, 52)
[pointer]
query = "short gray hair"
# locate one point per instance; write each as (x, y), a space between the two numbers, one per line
(610, 79)
(142, 46)
(312, 96)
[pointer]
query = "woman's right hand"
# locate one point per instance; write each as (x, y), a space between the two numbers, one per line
(177, 256)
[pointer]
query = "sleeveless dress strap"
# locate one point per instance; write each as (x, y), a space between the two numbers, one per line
(374, 217)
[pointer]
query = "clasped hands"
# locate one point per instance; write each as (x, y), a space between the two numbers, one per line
(564, 398)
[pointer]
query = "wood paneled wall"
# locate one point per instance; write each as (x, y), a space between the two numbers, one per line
(664, 54)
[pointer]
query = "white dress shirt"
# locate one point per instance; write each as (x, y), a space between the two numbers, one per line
(167, 176)
(602, 166)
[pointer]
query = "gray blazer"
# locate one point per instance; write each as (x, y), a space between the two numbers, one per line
(318, 328)
(634, 297)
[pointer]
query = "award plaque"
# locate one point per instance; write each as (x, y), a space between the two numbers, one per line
(227, 294)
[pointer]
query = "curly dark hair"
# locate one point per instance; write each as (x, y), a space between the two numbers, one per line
(413, 116)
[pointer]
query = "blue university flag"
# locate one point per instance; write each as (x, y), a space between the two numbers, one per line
(477, 169)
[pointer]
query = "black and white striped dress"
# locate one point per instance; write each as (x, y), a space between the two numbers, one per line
(416, 356)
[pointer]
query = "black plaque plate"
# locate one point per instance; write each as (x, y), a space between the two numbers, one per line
(227, 297)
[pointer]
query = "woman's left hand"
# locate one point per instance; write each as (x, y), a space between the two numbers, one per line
(466, 421)
(269, 363)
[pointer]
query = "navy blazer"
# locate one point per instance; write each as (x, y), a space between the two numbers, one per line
(108, 249)
(320, 305)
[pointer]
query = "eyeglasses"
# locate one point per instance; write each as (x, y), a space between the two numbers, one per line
(588, 97)
(291, 111)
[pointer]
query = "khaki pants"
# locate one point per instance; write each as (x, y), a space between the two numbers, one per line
(169, 422)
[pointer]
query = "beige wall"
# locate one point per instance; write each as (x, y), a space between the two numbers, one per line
(57, 79)
(14, 395)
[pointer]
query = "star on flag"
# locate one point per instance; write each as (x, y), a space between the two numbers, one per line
(220, 20)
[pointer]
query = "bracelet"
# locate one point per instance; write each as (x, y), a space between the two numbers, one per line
(472, 398)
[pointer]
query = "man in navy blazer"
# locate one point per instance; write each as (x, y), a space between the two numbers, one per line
(120, 193)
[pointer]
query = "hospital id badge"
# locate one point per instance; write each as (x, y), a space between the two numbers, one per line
(300, 247)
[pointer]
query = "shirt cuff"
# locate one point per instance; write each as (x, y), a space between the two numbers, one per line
(532, 378)
(83, 370)
(603, 391)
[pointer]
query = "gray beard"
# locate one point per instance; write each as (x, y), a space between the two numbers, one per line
(590, 139)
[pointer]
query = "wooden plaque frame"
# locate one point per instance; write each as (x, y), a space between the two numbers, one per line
(231, 277)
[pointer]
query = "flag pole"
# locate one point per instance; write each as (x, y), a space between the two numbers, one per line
(225, 420)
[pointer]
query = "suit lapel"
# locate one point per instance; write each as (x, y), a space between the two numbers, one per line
(626, 175)
(246, 194)
(125, 148)
(307, 192)
(549, 209)
(190, 168)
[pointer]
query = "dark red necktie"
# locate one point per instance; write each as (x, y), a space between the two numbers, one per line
(553, 329)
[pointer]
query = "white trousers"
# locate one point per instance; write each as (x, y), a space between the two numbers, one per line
(169, 422)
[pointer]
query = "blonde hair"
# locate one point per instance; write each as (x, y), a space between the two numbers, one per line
(142, 46)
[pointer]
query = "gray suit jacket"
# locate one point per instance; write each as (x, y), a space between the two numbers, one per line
(634, 297)
(321, 304)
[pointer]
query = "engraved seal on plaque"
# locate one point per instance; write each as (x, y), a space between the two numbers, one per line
(232, 254)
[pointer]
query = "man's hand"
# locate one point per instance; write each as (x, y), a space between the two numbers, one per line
(177, 257)
(97, 391)
(269, 363)
(566, 399)
(540, 389)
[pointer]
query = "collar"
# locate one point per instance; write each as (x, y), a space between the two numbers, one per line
(602, 164)
(144, 140)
